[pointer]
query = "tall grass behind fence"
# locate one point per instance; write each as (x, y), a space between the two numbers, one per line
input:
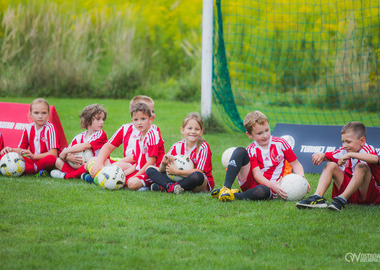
(100, 48)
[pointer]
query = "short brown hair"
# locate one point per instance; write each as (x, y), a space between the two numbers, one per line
(141, 107)
(89, 113)
(254, 118)
(357, 128)
(140, 99)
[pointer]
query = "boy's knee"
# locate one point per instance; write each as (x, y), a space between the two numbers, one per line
(362, 166)
(331, 166)
(134, 183)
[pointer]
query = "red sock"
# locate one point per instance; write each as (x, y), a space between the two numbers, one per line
(76, 174)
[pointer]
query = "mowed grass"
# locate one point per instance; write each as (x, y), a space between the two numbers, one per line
(47, 223)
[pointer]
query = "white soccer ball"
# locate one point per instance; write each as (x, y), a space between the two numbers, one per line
(227, 155)
(111, 177)
(85, 155)
(295, 186)
(182, 163)
(12, 164)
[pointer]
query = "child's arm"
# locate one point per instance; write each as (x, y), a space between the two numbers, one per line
(297, 167)
(151, 161)
(8, 149)
(171, 168)
(318, 158)
(104, 153)
(32, 156)
(366, 157)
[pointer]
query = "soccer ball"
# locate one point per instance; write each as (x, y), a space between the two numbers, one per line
(227, 155)
(86, 155)
(295, 186)
(182, 163)
(12, 164)
(111, 177)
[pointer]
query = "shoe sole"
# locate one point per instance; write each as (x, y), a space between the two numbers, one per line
(226, 198)
(311, 206)
(178, 189)
(334, 208)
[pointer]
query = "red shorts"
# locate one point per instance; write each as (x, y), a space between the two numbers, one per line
(373, 193)
(142, 177)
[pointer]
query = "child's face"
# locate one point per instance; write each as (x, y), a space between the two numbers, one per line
(141, 121)
(260, 134)
(97, 122)
(351, 143)
(39, 114)
(192, 131)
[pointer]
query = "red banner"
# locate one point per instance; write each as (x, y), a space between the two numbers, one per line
(14, 116)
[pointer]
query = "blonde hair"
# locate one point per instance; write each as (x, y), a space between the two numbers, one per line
(254, 118)
(89, 113)
(141, 107)
(357, 128)
(196, 117)
(140, 99)
(39, 100)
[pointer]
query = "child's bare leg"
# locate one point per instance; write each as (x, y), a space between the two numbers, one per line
(359, 181)
(59, 164)
(330, 172)
(134, 183)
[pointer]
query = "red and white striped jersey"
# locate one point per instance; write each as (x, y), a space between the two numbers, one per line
(127, 135)
(151, 145)
(200, 158)
(39, 141)
(350, 165)
(97, 140)
(271, 161)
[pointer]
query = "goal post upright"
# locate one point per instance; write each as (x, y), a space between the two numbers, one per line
(207, 40)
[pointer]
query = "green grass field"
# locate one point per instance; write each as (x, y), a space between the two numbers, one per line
(47, 223)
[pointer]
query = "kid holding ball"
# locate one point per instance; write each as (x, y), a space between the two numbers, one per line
(197, 149)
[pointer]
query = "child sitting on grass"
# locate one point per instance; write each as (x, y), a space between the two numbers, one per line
(197, 149)
(147, 149)
(39, 144)
(354, 170)
(92, 119)
(260, 166)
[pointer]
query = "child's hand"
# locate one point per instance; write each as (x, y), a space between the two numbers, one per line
(276, 187)
(317, 158)
(6, 150)
(171, 168)
(27, 153)
(167, 159)
(343, 159)
(75, 159)
(63, 155)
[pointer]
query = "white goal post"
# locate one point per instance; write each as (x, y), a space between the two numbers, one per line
(207, 42)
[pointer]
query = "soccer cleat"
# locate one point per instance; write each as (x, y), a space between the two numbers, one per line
(42, 173)
(57, 174)
(227, 195)
(174, 188)
(157, 187)
(314, 201)
(87, 177)
(216, 192)
(143, 189)
(337, 204)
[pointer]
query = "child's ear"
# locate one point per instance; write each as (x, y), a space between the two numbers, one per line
(249, 135)
(362, 141)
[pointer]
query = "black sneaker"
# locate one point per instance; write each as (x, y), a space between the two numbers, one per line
(337, 204)
(314, 201)
(156, 187)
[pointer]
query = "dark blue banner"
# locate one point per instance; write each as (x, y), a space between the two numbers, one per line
(308, 139)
